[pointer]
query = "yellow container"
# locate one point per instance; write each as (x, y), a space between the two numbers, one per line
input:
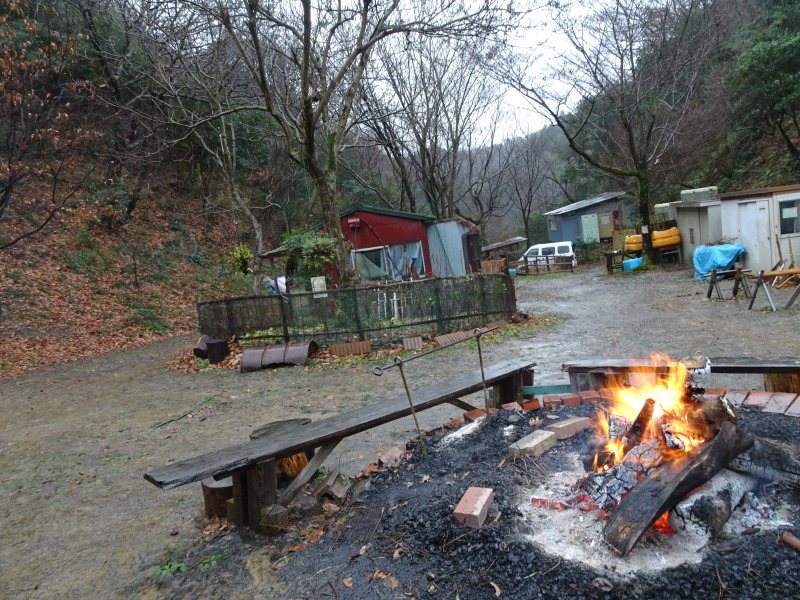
(668, 237)
(633, 243)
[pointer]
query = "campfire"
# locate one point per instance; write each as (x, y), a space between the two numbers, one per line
(668, 455)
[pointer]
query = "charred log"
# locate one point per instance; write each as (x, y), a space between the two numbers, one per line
(634, 435)
(770, 460)
(669, 483)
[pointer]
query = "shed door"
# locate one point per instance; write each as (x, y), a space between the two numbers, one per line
(606, 225)
(589, 230)
(754, 233)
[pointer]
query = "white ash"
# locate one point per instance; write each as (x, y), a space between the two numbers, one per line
(710, 507)
(460, 433)
(755, 513)
(577, 535)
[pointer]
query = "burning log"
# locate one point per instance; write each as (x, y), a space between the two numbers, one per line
(667, 484)
(607, 489)
(634, 435)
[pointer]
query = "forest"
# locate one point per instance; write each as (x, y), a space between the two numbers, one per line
(151, 151)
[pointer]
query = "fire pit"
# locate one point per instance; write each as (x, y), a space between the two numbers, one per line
(399, 538)
(670, 466)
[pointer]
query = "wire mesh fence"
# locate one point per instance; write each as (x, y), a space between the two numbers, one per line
(382, 314)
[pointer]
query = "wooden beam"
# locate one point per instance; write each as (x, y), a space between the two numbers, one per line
(668, 484)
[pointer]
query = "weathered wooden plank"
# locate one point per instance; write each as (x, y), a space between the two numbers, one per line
(723, 364)
(314, 435)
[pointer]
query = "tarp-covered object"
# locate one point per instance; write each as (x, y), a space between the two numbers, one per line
(721, 258)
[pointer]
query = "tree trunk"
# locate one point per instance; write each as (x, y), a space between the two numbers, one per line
(644, 212)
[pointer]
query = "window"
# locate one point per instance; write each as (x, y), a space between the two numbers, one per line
(564, 250)
(548, 251)
(552, 223)
(788, 211)
(398, 261)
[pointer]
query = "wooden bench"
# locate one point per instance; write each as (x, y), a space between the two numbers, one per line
(780, 374)
(251, 464)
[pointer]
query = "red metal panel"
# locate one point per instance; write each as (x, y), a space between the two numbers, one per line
(385, 230)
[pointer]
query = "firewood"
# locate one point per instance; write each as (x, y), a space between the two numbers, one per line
(633, 437)
(666, 485)
(771, 460)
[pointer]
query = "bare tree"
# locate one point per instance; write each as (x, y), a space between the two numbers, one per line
(308, 60)
(634, 67)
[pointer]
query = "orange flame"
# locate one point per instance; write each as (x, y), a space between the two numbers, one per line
(662, 525)
(668, 392)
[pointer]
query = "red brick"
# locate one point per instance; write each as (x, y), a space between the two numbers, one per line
(551, 400)
(737, 397)
(794, 408)
(589, 396)
(779, 402)
(569, 427)
(474, 415)
(474, 506)
(454, 423)
(511, 406)
(534, 404)
(714, 392)
(606, 394)
(758, 399)
(571, 400)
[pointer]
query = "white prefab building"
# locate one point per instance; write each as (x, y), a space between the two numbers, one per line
(766, 221)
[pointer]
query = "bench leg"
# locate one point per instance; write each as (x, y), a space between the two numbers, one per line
(307, 473)
(262, 490)
(506, 391)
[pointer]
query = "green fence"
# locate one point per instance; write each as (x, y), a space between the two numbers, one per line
(384, 313)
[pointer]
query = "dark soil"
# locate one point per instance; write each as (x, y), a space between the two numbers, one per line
(398, 538)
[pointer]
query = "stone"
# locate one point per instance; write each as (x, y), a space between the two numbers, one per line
(569, 427)
(533, 444)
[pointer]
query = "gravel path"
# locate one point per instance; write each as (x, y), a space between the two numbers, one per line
(81, 522)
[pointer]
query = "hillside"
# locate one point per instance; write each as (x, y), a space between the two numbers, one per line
(97, 280)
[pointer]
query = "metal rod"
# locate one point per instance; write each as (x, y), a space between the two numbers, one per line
(378, 370)
(478, 333)
(398, 362)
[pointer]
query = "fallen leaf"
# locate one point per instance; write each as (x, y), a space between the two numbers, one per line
(347, 582)
(426, 478)
(501, 463)
(363, 550)
(296, 548)
(397, 554)
(74, 486)
(496, 588)
(390, 582)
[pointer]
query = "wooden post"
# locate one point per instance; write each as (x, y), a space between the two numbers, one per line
(215, 494)
(262, 490)
(782, 382)
(712, 280)
(239, 480)
(506, 391)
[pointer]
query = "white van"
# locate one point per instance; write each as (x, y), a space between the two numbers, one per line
(538, 253)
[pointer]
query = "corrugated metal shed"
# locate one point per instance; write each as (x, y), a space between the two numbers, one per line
(576, 206)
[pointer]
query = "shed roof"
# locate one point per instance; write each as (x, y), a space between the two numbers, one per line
(575, 206)
(385, 211)
(504, 243)
(759, 192)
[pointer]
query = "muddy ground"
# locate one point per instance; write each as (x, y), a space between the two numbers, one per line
(81, 522)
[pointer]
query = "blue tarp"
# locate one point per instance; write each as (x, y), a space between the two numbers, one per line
(720, 258)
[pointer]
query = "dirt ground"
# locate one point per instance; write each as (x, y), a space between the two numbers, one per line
(81, 522)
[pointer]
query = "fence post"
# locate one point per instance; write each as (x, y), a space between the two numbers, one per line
(510, 296)
(484, 299)
(284, 318)
(437, 305)
(357, 316)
